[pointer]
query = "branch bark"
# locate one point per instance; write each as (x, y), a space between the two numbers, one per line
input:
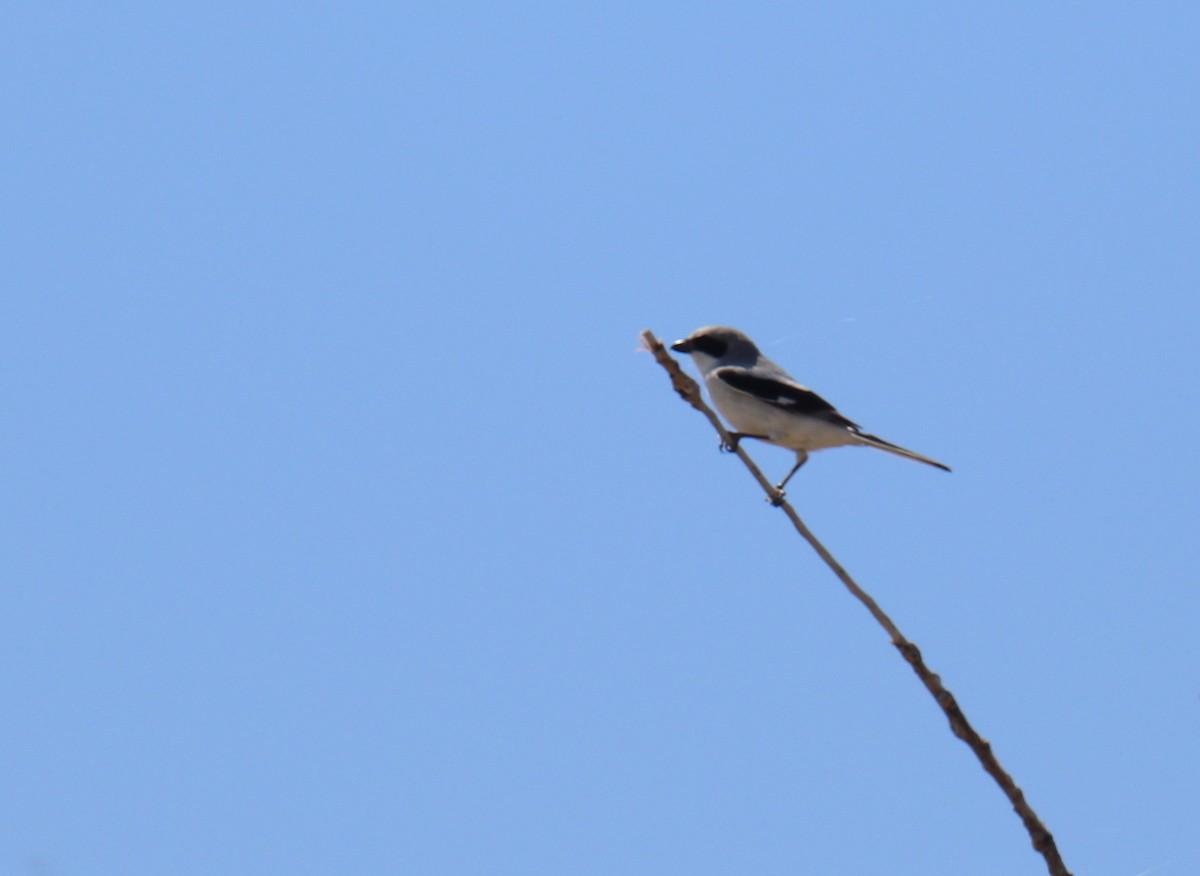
(1043, 841)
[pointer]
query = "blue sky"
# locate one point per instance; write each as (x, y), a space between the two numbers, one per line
(347, 530)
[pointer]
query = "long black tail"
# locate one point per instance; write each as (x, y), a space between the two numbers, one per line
(874, 441)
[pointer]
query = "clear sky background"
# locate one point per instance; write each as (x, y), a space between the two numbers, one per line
(346, 530)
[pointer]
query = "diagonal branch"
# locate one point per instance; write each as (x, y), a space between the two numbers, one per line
(1042, 840)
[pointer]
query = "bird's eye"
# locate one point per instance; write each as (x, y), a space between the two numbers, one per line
(710, 345)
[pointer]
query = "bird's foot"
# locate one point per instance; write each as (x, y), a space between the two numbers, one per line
(776, 497)
(735, 439)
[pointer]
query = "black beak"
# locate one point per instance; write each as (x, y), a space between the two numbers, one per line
(684, 346)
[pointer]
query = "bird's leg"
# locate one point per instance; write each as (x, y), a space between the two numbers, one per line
(801, 458)
(735, 438)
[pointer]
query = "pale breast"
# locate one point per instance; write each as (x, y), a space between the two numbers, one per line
(782, 427)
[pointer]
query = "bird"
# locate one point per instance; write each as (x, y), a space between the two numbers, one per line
(761, 400)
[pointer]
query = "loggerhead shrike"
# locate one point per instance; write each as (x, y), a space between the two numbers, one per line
(761, 400)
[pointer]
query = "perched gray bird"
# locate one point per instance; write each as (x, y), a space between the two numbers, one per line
(761, 400)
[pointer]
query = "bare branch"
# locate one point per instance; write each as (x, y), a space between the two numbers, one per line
(1041, 838)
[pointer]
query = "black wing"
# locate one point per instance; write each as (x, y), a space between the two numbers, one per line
(783, 394)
